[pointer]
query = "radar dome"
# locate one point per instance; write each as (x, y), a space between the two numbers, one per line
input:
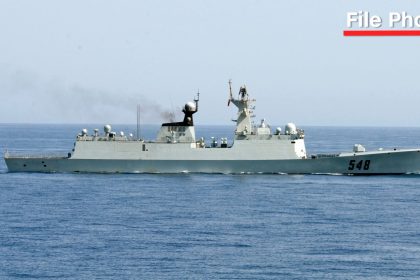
(290, 129)
(190, 107)
(107, 128)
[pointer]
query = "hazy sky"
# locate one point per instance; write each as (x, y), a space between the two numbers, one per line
(84, 61)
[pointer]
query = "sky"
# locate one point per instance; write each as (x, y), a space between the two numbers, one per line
(87, 61)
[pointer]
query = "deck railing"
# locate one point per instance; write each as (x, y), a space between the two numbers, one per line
(34, 154)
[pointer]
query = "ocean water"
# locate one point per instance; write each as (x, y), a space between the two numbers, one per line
(203, 226)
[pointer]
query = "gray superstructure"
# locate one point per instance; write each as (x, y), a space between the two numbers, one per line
(256, 149)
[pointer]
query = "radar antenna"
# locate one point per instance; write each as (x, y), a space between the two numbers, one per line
(243, 93)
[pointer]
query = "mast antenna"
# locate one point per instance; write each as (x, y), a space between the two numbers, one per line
(197, 99)
(138, 122)
(230, 91)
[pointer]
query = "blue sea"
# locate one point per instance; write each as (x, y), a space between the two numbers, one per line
(203, 226)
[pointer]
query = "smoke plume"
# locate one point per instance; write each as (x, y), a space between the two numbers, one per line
(28, 98)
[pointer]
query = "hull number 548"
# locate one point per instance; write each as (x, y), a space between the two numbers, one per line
(361, 165)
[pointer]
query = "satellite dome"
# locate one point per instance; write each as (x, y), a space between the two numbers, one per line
(190, 107)
(107, 128)
(290, 129)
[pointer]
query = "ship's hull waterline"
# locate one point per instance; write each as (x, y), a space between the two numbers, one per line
(390, 162)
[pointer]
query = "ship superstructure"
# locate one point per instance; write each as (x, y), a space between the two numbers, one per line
(255, 149)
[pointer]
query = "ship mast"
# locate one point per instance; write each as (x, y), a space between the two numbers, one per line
(138, 121)
(243, 102)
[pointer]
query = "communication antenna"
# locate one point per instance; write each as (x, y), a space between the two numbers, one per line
(138, 122)
(230, 91)
(197, 99)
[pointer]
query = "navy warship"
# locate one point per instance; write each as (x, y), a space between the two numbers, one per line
(255, 149)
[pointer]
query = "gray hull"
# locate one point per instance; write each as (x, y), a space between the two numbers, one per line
(255, 149)
(392, 162)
